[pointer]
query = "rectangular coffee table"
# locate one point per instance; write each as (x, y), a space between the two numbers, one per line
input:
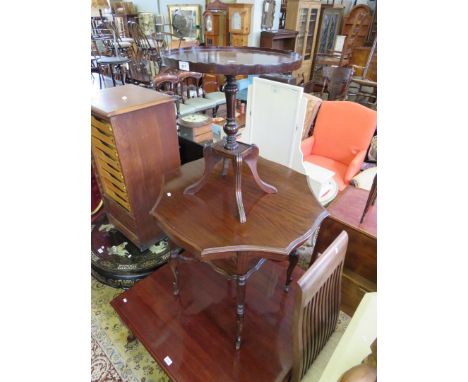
(191, 335)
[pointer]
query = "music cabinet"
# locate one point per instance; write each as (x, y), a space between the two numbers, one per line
(134, 142)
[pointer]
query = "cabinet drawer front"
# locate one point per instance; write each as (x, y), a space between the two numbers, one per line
(107, 162)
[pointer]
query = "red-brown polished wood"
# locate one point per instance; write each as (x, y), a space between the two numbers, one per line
(134, 142)
(231, 61)
(360, 272)
(206, 224)
(196, 328)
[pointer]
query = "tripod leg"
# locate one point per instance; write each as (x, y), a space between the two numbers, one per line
(251, 160)
(240, 204)
(293, 258)
(211, 158)
(225, 167)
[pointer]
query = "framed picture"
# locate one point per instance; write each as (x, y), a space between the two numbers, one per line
(185, 21)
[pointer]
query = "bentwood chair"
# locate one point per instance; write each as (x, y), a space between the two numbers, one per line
(145, 54)
(317, 306)
(169, 84)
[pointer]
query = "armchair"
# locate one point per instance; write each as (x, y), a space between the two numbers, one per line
(342, 133)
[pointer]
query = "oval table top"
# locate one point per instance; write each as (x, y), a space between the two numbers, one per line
(207, 223)
(232, 60)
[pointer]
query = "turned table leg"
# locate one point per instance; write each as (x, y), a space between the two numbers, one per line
(293, 259)
(240, 308)
(173, 263)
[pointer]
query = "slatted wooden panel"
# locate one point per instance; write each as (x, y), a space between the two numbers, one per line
(107, 162)
(317, 306)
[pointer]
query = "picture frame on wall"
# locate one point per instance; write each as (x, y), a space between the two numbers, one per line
(185, 18)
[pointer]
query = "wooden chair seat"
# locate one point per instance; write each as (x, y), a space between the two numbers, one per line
(332, 61)
(364, 82)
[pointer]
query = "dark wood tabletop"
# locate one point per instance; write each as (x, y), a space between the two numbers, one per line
(233, 60)
(207, 223)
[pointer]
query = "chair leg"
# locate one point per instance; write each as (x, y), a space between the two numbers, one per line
(240, 309)
(173, 263)
(293, 259)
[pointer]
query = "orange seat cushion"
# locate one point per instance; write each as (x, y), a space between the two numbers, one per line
(342, 130)
(330, 164)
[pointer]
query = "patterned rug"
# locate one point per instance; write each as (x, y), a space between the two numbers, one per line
(114, 358)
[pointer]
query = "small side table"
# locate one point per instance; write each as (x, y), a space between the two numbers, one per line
(232, 61)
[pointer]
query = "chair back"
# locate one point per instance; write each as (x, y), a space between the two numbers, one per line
(342, 130)
(191, 81)
(352, 39)
(317, 306)
(166, 83)
(210, 83)
(336, 80)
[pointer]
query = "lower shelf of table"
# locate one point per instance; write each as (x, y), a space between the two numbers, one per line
(196, 330)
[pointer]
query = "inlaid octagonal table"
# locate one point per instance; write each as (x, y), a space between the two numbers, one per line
(232, 61)
(206, 226)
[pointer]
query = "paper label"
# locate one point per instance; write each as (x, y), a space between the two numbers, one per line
(184, 65)
(168, 361)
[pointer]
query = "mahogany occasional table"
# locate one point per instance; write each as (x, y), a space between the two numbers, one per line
(232, 61)
(206, 226)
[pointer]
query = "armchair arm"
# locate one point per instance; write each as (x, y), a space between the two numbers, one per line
(354, 166)
(307, 145)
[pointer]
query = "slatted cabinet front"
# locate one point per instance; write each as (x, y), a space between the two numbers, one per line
(107, 161)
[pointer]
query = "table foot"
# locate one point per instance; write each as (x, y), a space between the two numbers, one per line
(240, 309)
(173, 264)
(293, 259)
(131, 337)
